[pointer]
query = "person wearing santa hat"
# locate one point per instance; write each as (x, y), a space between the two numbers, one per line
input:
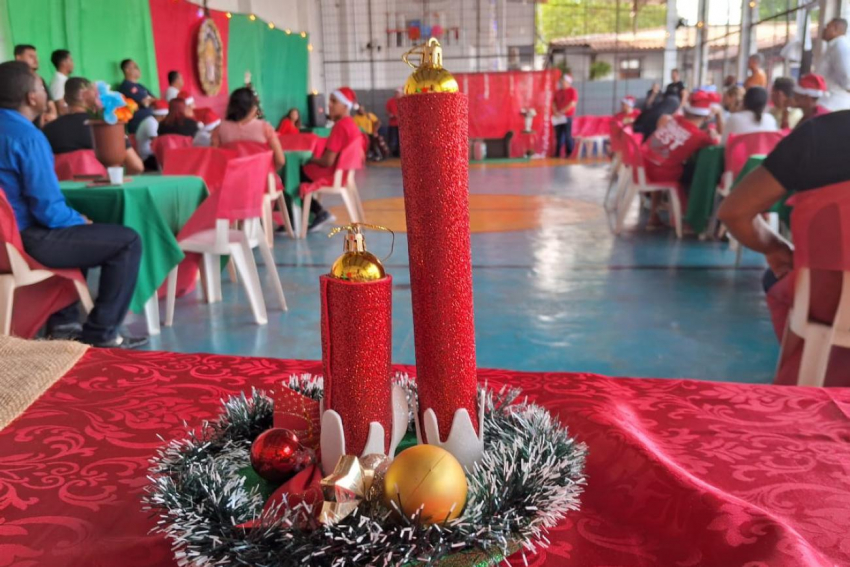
(564, 105)
(628, 113)
(341, 104)
(392, 128)
(807, 95)
(676, 140)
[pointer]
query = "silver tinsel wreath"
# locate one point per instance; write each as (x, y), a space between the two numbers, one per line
(529, 478)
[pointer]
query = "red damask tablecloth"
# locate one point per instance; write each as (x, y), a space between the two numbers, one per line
(679, 472)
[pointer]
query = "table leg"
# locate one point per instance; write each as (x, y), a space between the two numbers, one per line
(152, 314)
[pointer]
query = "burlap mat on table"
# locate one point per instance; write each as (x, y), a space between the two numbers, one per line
(28, 369)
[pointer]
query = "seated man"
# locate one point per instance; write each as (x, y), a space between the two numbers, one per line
(813, 156)
(807, 93)
(70, 132)
(675, 141)
(131, 88)
(28, 55)
(52, 232)
(369, 124)
(64, 65)
(175, 85)
(340, 104)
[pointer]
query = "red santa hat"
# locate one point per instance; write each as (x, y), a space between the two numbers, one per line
(346, 96)
(630, 100)
(187, 97)
(699, 103)
(160, 108)
(207, 117)
(811, 85)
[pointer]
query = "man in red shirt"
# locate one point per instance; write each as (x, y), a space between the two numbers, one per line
(392, 116)
(807, 93)
(675, 141)
(563, 109)
(341, 103)
(628, 113)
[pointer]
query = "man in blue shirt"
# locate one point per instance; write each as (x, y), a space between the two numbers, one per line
(52, 232)
(132, 88)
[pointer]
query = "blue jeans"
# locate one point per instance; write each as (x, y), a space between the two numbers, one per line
(564, 138)
(116, 250)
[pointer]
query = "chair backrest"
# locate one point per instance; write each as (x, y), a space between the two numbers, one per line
(248, 148)
(209, 164)
(80, 162)
(9, 234)
(350, 159)
(739, 148)
(161, 145)
(298, 142)
(820, 225)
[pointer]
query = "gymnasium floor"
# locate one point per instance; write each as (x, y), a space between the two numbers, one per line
(554, 289)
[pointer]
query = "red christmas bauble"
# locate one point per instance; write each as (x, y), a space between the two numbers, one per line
(277, 455)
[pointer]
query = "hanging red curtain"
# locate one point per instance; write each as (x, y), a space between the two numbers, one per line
(497, 99)
(175, 35)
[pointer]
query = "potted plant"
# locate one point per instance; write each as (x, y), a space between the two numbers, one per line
(107, 126)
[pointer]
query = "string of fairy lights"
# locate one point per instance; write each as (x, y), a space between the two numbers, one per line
(204, 10)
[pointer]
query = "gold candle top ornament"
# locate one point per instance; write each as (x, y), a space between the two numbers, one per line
(356, 263)
(429, 76)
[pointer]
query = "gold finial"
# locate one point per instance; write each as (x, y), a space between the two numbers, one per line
(429, 76)
(356, 263)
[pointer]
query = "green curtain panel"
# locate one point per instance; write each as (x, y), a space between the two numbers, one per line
(278, 63)
(99, 34)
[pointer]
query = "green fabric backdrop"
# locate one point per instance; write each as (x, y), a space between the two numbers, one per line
(278, 63)
(99, 34)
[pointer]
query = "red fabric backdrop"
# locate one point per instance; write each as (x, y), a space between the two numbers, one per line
(175, 36)
(496, 99)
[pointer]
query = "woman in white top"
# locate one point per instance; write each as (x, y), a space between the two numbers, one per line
(753, 118)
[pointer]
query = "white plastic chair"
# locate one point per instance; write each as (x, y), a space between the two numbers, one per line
(209, 233)
(350, 160)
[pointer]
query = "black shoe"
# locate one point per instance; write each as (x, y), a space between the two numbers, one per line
(320, 221)
(67, 332)
(121, 341)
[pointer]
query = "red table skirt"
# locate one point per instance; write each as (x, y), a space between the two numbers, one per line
(679, 472)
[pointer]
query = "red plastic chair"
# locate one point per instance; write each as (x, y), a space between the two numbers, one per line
(81, 162)
(820, 311)
(350, 160)
(208, 232)
(206, 163)
(274, 191)
(638, 183)
(39, 291)
(740, 148)
(162, 144)
(298, 142)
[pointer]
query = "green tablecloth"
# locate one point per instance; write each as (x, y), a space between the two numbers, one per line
(707, 173)
(291, 174)
(155, 206)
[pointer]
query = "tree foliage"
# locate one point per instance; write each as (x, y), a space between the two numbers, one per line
(569, 18)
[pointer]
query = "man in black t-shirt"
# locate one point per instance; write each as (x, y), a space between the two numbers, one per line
(70, 132)
(677, 87)
(814, 155)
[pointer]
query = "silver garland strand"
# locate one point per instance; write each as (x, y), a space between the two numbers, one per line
(529, 478)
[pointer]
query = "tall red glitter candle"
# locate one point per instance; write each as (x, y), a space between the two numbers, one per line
(434, 131)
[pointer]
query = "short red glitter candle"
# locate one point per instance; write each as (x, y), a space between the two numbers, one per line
(435, 166)
(357, 355)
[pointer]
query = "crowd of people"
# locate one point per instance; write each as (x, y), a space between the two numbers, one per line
(39, 121)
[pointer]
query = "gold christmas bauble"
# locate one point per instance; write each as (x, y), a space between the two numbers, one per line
(429, 477)
(358, 267)
(429, 76)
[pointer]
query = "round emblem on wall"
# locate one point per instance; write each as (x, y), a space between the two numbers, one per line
(210, 58)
